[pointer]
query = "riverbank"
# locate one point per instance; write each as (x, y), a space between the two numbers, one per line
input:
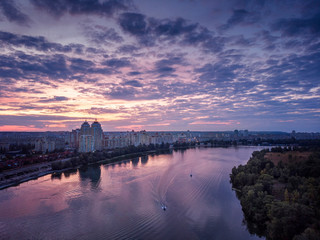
(17, 176)
(14, 177)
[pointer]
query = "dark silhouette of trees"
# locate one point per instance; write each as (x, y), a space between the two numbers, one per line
(280, 201)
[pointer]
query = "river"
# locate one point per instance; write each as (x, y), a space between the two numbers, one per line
(125, 200)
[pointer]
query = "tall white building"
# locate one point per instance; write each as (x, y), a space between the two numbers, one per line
(91, 137)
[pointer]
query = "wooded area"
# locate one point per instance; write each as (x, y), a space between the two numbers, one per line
(280, 199)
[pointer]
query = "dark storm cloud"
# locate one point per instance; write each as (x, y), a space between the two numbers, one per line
(165, 71)
(12, 13)
(133, 23)
(80, 65)
(77, 48)
(172, 28)
(170, 61)
(218, 72)
(55, 66)
(58, 67)
(293, 27)
(39, 43)
(117, 63)
(7, 66)
(86, 67)
(150, 30)
(189, 34)
(35, 67)
(240, 17)
(133, 83)
(166, 67)
(75, 7)
(93, 50)
(129, 49)
(135, 73)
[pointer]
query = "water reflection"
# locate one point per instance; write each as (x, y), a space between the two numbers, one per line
(70, 172)
(144, 160)
(57, 175)
(91, 173)
(135, 161)
(124, 200)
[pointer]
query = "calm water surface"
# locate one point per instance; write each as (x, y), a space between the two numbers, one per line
(124, 200)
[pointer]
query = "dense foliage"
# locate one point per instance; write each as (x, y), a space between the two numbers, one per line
(280, 201)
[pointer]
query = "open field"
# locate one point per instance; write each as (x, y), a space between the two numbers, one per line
(286, 157)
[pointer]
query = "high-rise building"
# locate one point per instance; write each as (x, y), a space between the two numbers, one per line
(97, 135)
(45, 145)
(74, 138)
(85, 139)
(91, 137)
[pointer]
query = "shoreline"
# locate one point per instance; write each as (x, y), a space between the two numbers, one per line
(17, 176)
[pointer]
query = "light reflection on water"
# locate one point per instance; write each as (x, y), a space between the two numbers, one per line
(124, 200)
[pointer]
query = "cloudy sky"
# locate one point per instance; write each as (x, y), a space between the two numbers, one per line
(160, 65)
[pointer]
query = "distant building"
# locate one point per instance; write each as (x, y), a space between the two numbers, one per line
(45, 145)
(85, 138)
(4, 147)
(182, 138)
(74, 138)
(97, 135)
(90, 137)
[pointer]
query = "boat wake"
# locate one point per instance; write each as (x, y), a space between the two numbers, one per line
(161, 185)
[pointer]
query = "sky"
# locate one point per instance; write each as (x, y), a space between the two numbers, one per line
(198, 65)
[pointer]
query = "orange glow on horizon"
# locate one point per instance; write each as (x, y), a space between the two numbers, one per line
(19, 128)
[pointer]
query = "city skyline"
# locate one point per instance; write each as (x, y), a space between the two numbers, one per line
(160, 65)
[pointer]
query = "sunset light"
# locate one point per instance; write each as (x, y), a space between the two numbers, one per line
(125, 61)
